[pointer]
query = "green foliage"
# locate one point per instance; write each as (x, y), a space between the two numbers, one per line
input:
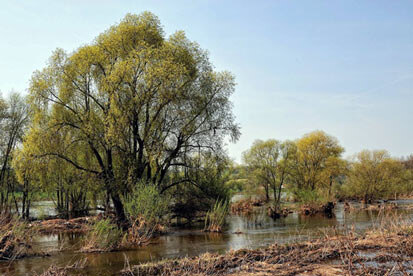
(308, 196)
(374, 174)
(13, 123)
(236, 185)
(215, 218)
(132, 105)
(146, 202)
(317, 158)
(269, 164)
(202, 184)
(103, 236)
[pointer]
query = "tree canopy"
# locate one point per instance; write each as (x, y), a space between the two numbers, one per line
(130, 105)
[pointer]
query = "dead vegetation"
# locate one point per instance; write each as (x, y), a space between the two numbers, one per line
(140, 233)
(76, 225)
(382, 206)
(104, 235)
(313, 209)
(246, 206)
(387, 250)
(15, 238)
(276, 214)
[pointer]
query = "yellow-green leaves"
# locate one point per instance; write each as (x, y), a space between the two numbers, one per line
(318, 155)
(133, 101)
(374, 174)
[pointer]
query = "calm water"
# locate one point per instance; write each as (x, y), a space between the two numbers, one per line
(257, 231)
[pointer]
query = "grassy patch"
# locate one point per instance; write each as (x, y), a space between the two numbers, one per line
(215, 218)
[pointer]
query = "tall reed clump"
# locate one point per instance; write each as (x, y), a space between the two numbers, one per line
(146, 209)
(215, 218)
(103, 236)
(15, 238)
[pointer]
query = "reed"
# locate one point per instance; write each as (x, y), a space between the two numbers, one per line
(215, 218)
(104, 235)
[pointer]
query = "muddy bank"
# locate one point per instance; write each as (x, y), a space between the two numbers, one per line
(381, 252)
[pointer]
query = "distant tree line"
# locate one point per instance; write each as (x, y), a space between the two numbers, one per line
(312, 169)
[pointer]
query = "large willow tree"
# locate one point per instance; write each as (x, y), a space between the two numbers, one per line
(130, 106)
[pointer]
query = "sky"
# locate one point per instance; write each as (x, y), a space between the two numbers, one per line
(344, 67)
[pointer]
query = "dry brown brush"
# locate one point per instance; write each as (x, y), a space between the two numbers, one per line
(15, 238)
(388, 250)
(105, 235)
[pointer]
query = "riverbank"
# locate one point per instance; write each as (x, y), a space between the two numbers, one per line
(255, 231)
(385, 250)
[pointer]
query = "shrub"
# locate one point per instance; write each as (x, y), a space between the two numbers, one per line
(373, 175)
(103, 236)
(242, 207)
(215, 218)
(306, 196)
(146, 203)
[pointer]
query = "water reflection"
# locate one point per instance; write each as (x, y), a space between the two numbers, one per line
(251, 232)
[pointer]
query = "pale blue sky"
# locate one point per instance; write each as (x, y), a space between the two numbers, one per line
(345, 67)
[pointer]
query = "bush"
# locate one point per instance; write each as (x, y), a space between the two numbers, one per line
(306, 196)
(374, 175)
(147, 204)
(192, 199)
(103, 236)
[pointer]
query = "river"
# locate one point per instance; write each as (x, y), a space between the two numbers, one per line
(256, 231)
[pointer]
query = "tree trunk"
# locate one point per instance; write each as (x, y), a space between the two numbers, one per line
(330, 187)
(275, 198)
(120, 213)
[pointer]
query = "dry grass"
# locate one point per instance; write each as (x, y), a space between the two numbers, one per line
(140, 233)
(15, 238)
(386, 250)
(105, 236)
(348, 207)
(242, 207)
(276, 214)
(246, 206)
(77, 225)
